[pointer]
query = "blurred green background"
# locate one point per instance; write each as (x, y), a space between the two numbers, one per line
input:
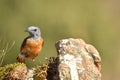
(95, 21)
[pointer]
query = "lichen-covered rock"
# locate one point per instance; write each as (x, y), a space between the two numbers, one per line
(16, 71)
(19, 71)
(78, 60)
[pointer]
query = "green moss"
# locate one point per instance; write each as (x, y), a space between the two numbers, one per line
(41, 72)
(47, 71)
(7, 68)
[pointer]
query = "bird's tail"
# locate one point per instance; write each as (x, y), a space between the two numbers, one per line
(21, 58)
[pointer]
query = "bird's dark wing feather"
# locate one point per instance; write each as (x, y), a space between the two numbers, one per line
(43, 43)
(22, 46)
(24, 42)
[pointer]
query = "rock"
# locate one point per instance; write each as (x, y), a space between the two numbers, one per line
(78, 60)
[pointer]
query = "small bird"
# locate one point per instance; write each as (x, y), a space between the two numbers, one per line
(31, 45)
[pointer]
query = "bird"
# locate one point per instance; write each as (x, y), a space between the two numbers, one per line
(31, 45)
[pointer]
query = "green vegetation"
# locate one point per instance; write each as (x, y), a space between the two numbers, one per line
(7, 68)
(4, 48)
(19, 71)
(40, 72)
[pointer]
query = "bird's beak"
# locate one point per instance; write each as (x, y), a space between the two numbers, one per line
(27, 30)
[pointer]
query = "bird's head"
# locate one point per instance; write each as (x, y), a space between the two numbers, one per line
(33, 31)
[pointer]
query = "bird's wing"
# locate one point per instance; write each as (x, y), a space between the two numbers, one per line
(23, 44)
(22, 47)
(42, 41)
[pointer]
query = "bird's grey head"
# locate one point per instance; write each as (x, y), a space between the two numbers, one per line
(34, 31)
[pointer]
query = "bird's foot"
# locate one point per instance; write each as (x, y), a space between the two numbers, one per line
(33, 60)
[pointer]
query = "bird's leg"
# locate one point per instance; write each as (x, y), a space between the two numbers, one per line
(33, 60)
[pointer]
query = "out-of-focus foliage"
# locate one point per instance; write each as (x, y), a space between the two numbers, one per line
(97, 22)
(4, 48)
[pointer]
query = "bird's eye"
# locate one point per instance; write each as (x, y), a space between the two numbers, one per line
(35, 29)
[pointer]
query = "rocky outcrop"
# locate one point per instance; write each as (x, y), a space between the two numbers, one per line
(78, 60)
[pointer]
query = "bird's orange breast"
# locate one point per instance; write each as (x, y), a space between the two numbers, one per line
(32, 47)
